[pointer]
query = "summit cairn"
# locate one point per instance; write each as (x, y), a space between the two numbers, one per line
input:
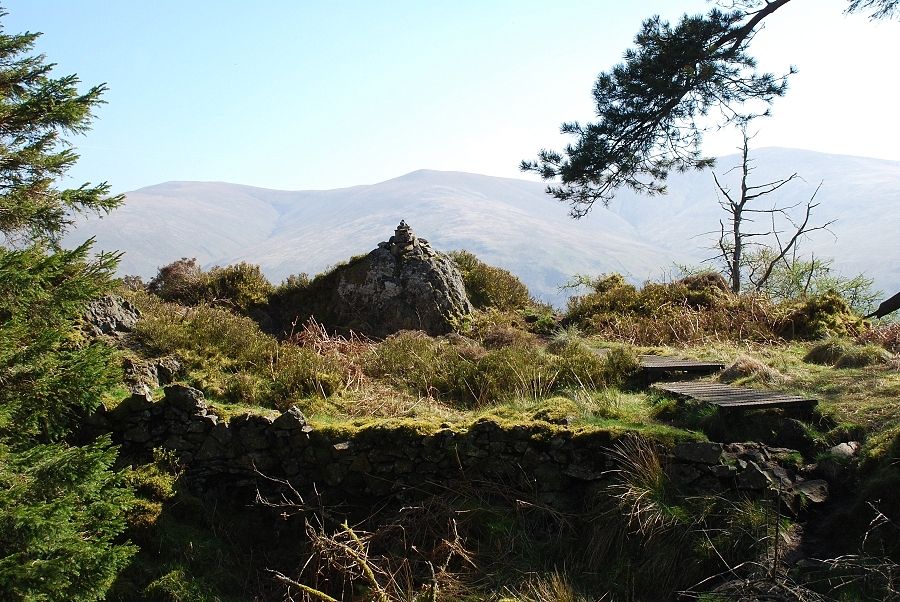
(403, 284)
(403, 240)
(407, 286)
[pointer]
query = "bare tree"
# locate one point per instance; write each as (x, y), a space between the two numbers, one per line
(782, 226)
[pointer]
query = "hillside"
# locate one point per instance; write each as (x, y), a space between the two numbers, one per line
(506, 222)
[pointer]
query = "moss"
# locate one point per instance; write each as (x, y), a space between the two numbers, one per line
(882, 446)
(863, 356)
(396, 431)
(226, 411)
(557, 410)
(817, 317)
(827, 352)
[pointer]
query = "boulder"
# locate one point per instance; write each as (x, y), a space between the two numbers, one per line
(142, 376)
(110, 315)
(403, 284)
(845, 450)
(187, 399)
(700, 452)
(291, 420)
(753, 477)
(815, 491)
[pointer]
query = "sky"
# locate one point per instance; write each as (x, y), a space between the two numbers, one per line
(300, 94)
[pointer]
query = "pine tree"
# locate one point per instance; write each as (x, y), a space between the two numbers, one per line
(651, 108)
(62, 506)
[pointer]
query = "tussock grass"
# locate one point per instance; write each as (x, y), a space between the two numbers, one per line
(745, 369)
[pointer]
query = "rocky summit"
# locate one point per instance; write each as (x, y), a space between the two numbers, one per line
(403, 284)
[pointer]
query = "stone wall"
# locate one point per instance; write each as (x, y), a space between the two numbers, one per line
(558, 465)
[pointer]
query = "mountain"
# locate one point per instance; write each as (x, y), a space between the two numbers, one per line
(506, 222)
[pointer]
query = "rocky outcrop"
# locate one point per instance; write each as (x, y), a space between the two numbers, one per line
(110, 315)
(144, 375)
(749, 467)
(403, 284)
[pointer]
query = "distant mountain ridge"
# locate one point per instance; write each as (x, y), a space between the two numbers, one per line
(506, 222)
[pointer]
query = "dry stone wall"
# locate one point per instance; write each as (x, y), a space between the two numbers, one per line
(557, 465)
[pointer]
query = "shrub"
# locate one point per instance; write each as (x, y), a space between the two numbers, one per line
(886, 335)
(509, 372)
(409, 359)
(241, 285)
(541, 318)
(299, 372)
(203, 334)
(465, 372)
(228, 355)
(817, 317)
(474, 376)
(238, 287)
(669, 314)
(621, 364)
(293, 283)
(488, 286)
(581, 367)
(499, 336)
(179, 282)
(564, 337)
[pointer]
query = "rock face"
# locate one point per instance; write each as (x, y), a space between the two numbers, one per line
(142, 376)
(402, 285)
(110, 315)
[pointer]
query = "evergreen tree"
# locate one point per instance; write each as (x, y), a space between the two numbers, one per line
(62, 506)
(36, 112)
(650, 108)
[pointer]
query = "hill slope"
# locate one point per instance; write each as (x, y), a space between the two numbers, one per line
(506, 222)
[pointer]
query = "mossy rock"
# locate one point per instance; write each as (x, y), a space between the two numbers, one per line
(557, 410)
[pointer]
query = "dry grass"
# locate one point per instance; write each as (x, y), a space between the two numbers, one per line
(553, 587)
(886, 335)
(748, 369)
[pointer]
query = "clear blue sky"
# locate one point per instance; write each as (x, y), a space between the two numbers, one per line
(302, 94)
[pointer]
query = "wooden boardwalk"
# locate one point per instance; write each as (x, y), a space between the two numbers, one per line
(658, 364)
(730, 397)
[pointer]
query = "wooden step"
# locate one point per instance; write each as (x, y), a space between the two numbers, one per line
(728, 396)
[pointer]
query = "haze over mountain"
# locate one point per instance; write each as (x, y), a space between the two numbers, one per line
(506, 222)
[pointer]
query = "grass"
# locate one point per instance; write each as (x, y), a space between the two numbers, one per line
(505, 370)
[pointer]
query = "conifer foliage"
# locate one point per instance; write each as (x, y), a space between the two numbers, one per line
(36, 112)
(653, 109)
(62, 506)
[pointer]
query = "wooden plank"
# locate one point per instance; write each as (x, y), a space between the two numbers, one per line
(665, 364)
(659, 360)
(728, 396)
